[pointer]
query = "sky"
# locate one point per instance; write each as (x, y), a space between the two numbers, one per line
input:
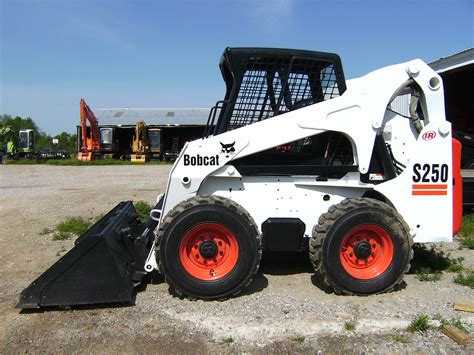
(162, 54)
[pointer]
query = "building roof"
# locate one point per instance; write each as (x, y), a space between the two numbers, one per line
(453, 61)
(152, 116)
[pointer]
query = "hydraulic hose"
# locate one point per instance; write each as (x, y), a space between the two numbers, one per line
(415, 98)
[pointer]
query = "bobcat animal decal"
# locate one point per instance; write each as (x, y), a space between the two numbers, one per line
(227, 148)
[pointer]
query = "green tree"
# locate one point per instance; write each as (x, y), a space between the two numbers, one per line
(66, 141)
(43, 140)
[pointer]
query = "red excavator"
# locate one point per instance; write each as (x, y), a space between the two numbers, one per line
(90, 138)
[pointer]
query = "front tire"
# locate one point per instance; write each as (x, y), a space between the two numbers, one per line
(361, 246)
(209, 247)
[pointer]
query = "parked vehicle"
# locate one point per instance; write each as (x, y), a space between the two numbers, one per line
(355, 186)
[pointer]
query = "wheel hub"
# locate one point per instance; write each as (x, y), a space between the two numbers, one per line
(362, 249)
(208, 249)
(366, 251)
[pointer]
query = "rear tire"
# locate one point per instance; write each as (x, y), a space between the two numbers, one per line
(208, 247)
(361, 246)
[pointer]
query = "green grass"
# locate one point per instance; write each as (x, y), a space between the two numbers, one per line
(298, 339)
(466, 233)
(466, 279)
(71, 227)
(467, 243)
(401, 339)
(457, 322)
(62, 236)
(75, 162)
(350, 325)
(228, 340)
(467, 228)
(74, 225)
(143, 209)
(425, 274)
(420, 324)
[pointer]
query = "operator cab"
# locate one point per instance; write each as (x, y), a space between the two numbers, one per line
(263, 83)
(27, 140)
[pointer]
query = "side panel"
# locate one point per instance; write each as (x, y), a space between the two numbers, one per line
(423, 193)
(283, 197)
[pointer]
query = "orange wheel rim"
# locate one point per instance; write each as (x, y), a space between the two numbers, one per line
(209, 251)
(366, 251)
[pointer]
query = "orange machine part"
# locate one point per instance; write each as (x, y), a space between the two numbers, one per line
(457, 186)
(91, 141)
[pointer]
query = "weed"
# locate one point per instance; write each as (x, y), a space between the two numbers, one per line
(466, 279)
(420, 324)
(457, 322)
(74, 225)
(351, 325)
(456, 265)
(62, 235)
(143, 209)
(467, 243)
(466, 233)
(467, 228)
(298, 339)
(228, 340)
(401, 339)
(425, 274)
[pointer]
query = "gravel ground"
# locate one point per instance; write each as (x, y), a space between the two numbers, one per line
(284, 310)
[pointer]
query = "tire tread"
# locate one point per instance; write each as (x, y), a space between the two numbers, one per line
(197, 201)
(320, 231)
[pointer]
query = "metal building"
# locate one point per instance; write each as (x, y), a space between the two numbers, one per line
(172, 127)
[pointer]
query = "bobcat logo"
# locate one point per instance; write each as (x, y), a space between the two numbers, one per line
(227, 148)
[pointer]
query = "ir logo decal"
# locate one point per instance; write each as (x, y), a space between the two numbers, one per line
(427, 136)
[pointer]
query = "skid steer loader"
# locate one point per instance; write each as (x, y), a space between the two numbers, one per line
(293, 159)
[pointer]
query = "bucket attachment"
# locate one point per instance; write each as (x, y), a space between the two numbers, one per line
(104, 266)
(138, 158)
(84, 156)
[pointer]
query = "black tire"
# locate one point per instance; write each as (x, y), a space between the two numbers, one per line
(208, 210)
(339, 226)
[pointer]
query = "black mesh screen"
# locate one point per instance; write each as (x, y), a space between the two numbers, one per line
(271, 86)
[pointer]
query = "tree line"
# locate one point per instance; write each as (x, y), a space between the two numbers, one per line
(66, 141)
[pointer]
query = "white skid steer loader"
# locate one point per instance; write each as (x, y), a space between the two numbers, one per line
(293, 159)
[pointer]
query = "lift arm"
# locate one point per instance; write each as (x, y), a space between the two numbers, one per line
(92, 143)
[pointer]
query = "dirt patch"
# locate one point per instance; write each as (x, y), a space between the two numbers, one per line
(284, 309)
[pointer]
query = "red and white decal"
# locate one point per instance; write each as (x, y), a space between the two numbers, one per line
(427, 136)
(429, 189)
